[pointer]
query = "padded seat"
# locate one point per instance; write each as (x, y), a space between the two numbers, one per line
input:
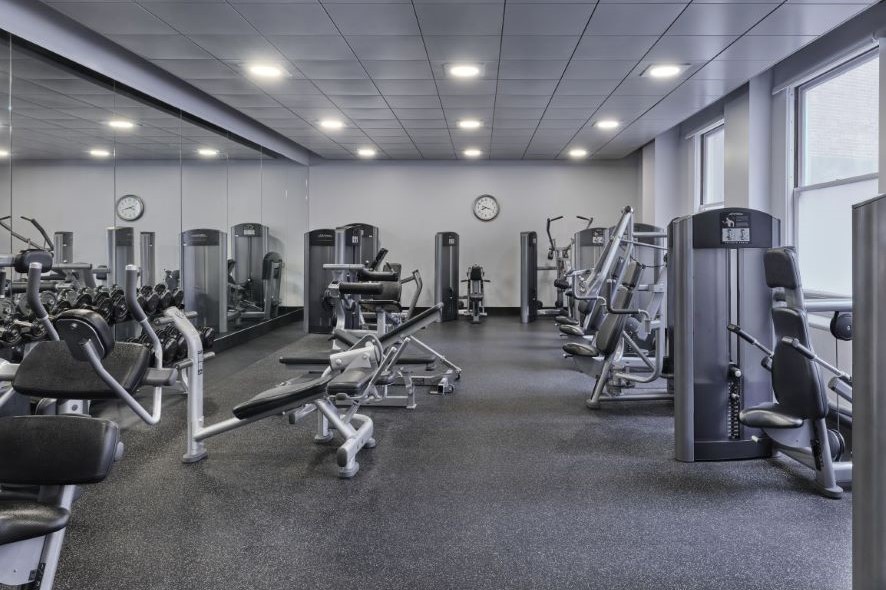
(25, 519)
(50, 370)
(768, 416)
(291, 393)
(571, 330)
(351, 382)
(562, 283)
(377, 275)
(564, 320)
(476, 296)
(580, 349)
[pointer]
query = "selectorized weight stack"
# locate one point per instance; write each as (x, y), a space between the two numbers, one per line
(319, 250)
(204, 259)
(147, 249)
(446, 279)
(716, 278)
(121, 253)
(250, 244)
(528, 276)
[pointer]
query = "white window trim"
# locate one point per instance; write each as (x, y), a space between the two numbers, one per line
(698, 143)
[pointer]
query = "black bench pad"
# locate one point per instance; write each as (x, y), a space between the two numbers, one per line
(291, 393)
(566, 320)
(768, 416)
(580, 349)
(570, 330)
(322, 358)
(25, 519)
(351, 382)
(49, 370)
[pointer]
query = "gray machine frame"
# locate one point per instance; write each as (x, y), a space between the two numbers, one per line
(204, 276)
(446, 281)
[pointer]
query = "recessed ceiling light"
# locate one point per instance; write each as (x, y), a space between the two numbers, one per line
(464, 70)
(470, 124)
(4, 154)
(366, 153)
(121, 124)
(607, 124)
(663, 70)
(578, 153)
(99, 153)
(207, 152)
(331, 124)
(266, 71)
(472, 153)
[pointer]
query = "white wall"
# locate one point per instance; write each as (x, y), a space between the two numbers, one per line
(411, 201)
(80, 197)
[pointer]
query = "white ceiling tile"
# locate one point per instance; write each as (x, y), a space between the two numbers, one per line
(288, 19)
(374, 19)
(732, 69)
(161, 46)
(468, 47)
(363, 87)
(368, 114)
(459, 19)
(388, 47)
(378, 124)
(643, 86)
(407, 87)
(411, 124)
(459, 87)
(201, 17)
(546, 19)
(398, 69)
(719, 19)
(598, 69)
(573, 113)
(197, 69)
(806, 19)
(451, 101)
(248, 100)
(520, 100)
(633, 19)
(240, 47)
(587, 87)
(427, 114)
(531, 69)
(686, 48)
(312, 47)
(331, 69)
(612, 47)
(524, 87)
(519, 113)
(359, 101)
(412, 102)
(538, 46)
(761, 47)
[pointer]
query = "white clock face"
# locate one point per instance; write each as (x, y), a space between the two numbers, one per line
(130, 207)
(486, 208)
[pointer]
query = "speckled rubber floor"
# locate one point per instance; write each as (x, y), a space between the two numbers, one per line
(509, 483)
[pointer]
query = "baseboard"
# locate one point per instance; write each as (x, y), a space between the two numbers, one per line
(288, 315)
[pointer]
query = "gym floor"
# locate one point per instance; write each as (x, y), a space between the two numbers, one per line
(509, 483)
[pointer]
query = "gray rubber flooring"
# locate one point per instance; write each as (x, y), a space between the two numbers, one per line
(509, 483)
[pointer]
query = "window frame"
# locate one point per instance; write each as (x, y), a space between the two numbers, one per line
(800, 91)
(701, 160)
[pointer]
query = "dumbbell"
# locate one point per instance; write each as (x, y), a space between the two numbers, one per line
(165, 295)
(148, 299)
(207, 337)
(83, 299)
(178, 298)
(10, 335)
(119, 307)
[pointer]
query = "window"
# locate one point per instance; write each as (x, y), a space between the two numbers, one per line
(712, 168)
(837, 161)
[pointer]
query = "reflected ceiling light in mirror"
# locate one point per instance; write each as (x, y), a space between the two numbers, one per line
(578, 153)
(470, 124)
(266, 71)
(366, 152)
(472, 153)
(463, 70)
(99, 153)
(607, 124)
(4, 153)
(207, 152)
(120, 124)
(331, 124)
(661, 71)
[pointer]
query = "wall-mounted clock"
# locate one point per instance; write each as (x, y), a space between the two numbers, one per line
(130, 207)
(486, 207)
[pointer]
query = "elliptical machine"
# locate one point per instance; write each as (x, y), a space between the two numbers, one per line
(476, 296)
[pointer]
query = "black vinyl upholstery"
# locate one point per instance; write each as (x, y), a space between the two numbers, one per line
(50, 370)
(373, 289)
(289, 394)
(769, 415)
(572, 330)
(351, 382)
(22, 261)
(377, 275)
(25, 519)
(56, 450)
(796, 380)
(781, 268)
(580, 349)
(394, 335)
(476, 273)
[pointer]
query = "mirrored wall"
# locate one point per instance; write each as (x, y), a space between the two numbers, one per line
(106, 178)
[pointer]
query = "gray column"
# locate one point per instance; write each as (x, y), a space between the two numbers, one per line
(748, 147)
